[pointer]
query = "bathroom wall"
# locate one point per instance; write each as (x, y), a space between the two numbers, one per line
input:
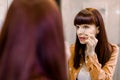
(3, 8)
(4, 5)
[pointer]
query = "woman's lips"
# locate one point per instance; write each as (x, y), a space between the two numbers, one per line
(82, 38)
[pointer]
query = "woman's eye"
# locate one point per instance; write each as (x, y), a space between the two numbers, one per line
(77, 27)
(86, 26)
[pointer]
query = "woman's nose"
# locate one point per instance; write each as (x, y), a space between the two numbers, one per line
(80, 31)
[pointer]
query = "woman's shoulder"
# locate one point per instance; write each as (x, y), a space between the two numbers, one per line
(72, 48)
(72, 51)
(115, 48)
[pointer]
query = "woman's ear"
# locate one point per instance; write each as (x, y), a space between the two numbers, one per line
(97, 31)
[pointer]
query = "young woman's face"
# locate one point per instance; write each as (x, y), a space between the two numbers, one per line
(85, 30)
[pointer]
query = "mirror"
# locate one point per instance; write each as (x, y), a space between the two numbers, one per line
(110, 12)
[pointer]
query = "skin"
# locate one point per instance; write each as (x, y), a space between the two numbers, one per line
(86, 34)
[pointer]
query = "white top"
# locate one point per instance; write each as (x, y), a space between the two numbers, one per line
(83, 74)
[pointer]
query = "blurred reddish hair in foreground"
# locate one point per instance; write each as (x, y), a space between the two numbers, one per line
(32, 41)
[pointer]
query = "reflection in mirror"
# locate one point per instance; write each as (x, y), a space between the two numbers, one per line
(110, 12)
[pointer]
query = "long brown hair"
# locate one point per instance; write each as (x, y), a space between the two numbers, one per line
(32, 34)
(92, 16)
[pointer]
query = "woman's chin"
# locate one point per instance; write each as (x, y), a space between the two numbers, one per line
(82, 42)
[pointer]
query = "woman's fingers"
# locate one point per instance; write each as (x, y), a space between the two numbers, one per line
(94, 38)
(91, 39)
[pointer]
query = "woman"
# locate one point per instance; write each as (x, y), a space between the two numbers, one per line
(32, 43)
(92, 56)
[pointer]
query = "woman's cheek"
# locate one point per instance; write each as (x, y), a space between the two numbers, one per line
(90, 32)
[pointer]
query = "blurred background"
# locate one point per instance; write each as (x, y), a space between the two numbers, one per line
(109, 9)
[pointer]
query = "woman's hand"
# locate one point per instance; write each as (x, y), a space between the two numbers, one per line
(91, 43)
